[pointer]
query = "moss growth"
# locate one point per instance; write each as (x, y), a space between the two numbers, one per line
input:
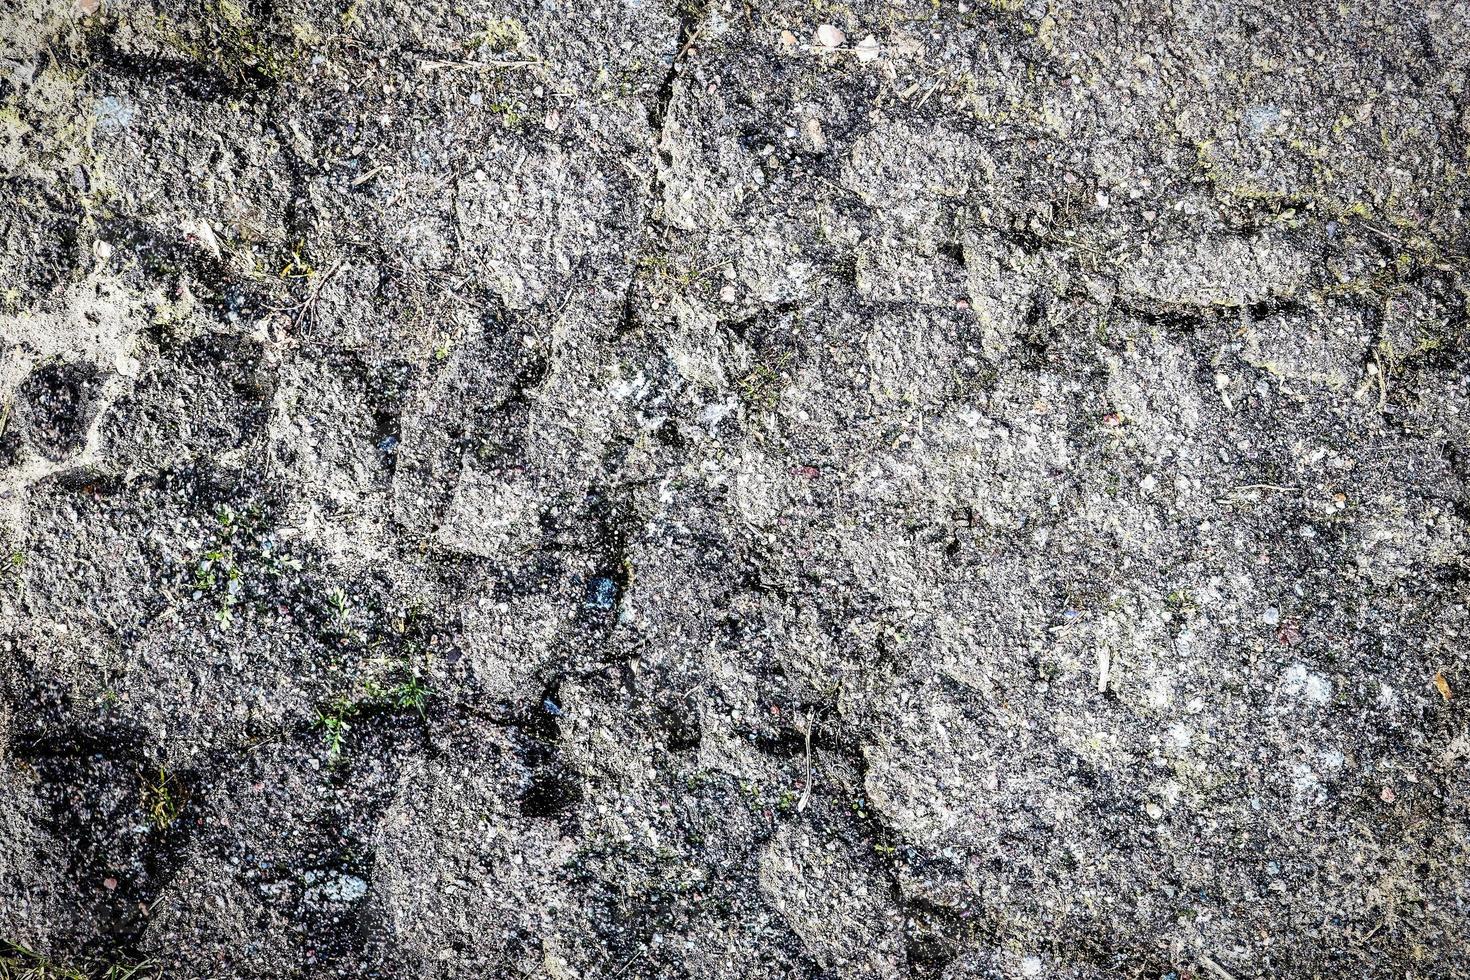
(505, 34)
(762, 386)
(224, 40)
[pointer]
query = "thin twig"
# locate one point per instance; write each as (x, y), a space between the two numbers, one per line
(1214, 967)
(361, 179)
(480, 65)
(316, 291)
(636, 957)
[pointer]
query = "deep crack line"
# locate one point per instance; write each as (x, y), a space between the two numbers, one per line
(689, 23)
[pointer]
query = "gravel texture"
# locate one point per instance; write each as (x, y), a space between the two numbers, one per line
(647, 489)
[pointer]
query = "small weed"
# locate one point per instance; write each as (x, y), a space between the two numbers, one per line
(18, 962)
(218, 573)
(658, 273)
(163, 799)
(410, 694)
(508, 113)
(12, 570)
(239, 544)
(346, 625)
(1182, 601)
(407, 693)
(335, 726)
(762, 387)
(297, 267)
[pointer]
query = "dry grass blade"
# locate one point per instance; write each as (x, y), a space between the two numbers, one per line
(806, 791)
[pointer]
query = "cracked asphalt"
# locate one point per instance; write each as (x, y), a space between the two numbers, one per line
(692, 490)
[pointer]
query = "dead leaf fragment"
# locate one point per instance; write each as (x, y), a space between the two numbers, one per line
(816, 140)
(867, 49)
(829, 36)
(198, 230)
(1442, 686)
